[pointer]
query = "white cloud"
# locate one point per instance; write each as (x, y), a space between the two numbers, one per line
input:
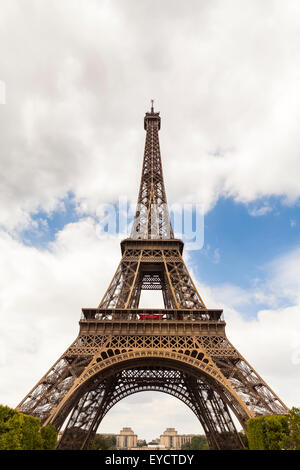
(216, 256)
(80, 76)
(259, 211)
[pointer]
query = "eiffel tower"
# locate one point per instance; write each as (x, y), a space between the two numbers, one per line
(181, 349)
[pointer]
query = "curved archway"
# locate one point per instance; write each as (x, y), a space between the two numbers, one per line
(207, 397)
(196, 361)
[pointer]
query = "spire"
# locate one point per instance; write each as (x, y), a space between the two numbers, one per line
(152, 220)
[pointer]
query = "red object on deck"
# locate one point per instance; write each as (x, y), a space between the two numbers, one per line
(149, 316)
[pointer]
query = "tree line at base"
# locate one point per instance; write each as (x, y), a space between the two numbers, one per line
(23, 432)
(281, 432)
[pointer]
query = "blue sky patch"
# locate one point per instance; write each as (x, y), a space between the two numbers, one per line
(46, 225)
(239, 246)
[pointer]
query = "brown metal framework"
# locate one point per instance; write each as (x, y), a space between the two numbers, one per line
(181, 349)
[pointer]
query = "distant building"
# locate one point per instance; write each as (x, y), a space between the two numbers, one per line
(170, 439)
(155, 441)
(126, 439)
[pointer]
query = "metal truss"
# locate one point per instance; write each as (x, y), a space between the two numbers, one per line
(159, 268)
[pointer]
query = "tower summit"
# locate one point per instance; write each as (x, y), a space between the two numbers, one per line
(181, 349)
(152, 219)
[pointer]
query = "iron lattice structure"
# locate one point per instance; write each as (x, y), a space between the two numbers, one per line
(181, 349)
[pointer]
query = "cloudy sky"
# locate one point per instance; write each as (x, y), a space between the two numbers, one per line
(78, 77)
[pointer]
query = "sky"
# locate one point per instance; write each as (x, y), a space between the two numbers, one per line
(76, 79)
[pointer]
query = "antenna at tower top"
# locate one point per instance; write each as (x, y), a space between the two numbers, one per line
(152, 106)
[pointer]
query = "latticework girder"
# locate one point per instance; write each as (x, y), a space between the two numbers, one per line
(135, 268)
